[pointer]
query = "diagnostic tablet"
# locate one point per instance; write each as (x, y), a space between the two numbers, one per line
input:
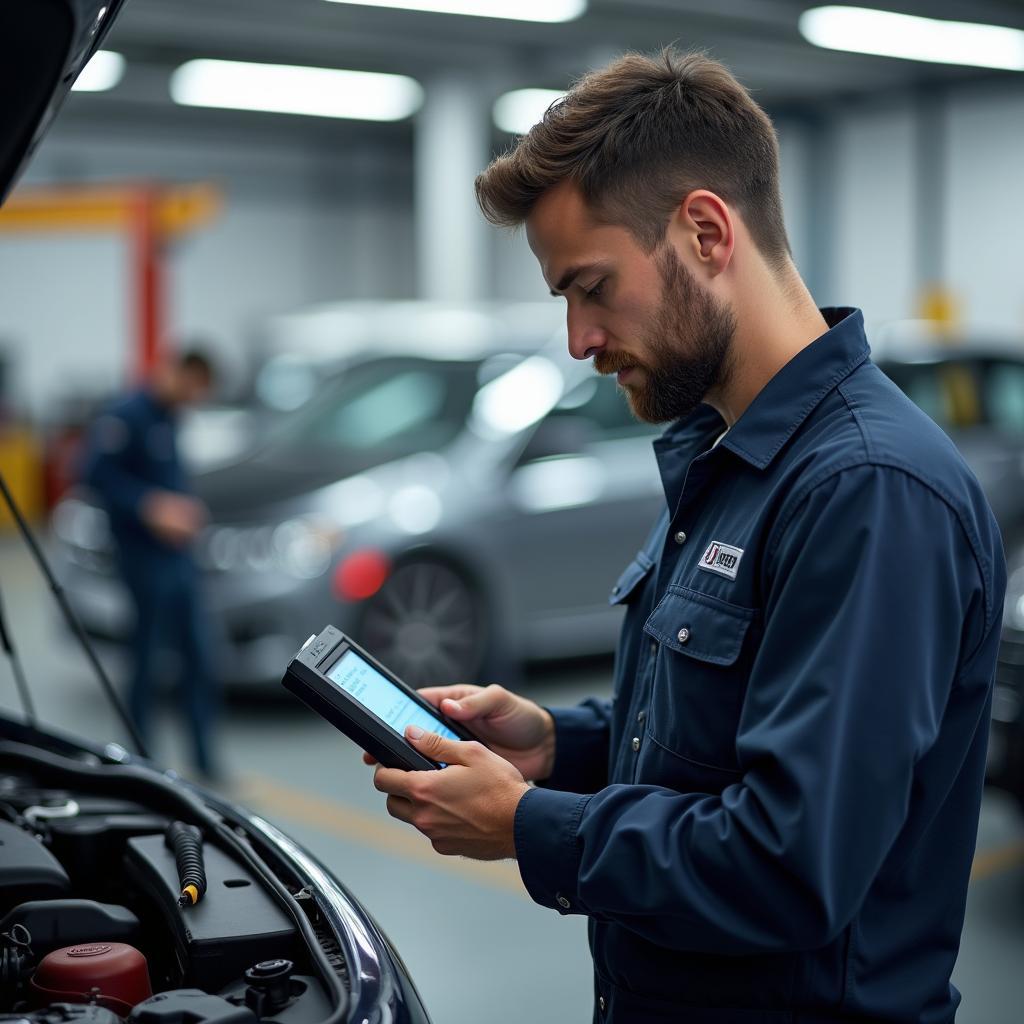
(367, 702)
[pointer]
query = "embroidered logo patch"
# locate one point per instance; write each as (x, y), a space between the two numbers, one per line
(721, 558)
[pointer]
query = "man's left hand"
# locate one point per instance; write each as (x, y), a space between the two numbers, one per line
(466, 809)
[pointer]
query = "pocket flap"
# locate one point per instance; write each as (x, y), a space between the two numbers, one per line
(633, 575)
(699, 625)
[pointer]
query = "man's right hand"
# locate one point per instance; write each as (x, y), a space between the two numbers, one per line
(176, 519)
(513, 727)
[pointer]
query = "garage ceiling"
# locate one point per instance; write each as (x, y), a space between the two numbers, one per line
(758, 39)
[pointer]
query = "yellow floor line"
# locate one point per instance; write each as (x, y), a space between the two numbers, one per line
(993, 862)
(356, 825)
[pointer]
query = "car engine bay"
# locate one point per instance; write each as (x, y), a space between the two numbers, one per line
(92, 929)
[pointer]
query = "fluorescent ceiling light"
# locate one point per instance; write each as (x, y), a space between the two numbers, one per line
(104, 70)
(515, 10)
(861, 30)
(518, 111)
(285, 89)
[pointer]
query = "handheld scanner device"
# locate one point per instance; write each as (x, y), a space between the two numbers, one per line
(368, 703)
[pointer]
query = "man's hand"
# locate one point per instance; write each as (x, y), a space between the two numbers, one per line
(467, 809)
(176, 519)
(514, 728)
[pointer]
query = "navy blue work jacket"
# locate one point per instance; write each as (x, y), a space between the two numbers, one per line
(130, 450)
(773, 819)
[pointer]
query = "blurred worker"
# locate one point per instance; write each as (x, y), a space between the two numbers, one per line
(774, 817)
(132, 464)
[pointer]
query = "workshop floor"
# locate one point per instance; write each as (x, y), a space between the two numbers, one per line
(477, 947)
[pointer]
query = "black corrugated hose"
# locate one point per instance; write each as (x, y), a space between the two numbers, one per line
(187, 843)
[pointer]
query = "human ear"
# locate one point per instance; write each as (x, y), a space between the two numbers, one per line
(708, 225)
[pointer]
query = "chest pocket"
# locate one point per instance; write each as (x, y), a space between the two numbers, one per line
(700, 676)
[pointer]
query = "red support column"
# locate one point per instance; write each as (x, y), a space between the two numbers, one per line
(148, 272)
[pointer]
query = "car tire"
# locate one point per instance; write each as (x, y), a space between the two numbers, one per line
(428, 624)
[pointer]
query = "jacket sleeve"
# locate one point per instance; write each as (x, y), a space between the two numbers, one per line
(581, 747)
(104, 466)
(874, 598)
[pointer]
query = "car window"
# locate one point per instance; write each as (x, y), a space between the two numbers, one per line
(1006, 395)
(961, 393)
(604, 407)
(388, 407)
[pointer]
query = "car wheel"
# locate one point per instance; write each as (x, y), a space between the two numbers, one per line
(427, 624)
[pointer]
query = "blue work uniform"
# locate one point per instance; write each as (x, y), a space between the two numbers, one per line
(774, 817)
(132, 450)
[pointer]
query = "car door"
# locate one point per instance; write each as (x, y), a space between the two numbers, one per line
(580, 500)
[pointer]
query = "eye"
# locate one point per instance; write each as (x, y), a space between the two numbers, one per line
(595, 291)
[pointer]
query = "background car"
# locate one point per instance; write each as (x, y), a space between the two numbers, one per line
(453, 514)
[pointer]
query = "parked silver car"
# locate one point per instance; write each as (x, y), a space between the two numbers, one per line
(457, 515)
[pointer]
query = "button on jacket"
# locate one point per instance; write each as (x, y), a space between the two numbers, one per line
(773, 819)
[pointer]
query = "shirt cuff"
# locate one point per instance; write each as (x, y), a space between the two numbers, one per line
(581, 750)
(548, 848)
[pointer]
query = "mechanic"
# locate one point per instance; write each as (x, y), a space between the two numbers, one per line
(132, 463)
(774, 817)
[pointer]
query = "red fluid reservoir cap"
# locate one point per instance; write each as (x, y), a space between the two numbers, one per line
(118, 971)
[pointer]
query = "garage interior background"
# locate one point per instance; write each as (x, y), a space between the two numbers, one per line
(902, 190)
(898, 176)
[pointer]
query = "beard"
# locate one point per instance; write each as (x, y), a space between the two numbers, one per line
(687, 347)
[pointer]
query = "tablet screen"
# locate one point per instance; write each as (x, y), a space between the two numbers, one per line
(378, 694)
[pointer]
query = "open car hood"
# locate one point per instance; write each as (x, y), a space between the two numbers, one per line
(44, 44)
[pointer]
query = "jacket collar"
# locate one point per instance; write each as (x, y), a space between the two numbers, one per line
(783, 404)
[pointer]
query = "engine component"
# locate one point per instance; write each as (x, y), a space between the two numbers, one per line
(41, 813)
(28, 871)
(64, 1013)
(307, 1000)
(187, 843)
(189, 1006)
(16, 956)
(269, 986)
(236, 925)
(54, 923)
(111, 974)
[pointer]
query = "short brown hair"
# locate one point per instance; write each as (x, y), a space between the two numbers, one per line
(639, 135)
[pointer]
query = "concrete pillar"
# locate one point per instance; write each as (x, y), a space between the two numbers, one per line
(453, 135)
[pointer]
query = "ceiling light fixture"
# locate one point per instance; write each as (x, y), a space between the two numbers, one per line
(287, 89)
(514, 10)
(886, 34)
(104, 70)
(518, 111)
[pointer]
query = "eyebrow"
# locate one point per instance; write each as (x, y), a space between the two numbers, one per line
(567, 279)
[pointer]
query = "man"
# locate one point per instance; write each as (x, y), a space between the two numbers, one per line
(132, 464)
(774, 817)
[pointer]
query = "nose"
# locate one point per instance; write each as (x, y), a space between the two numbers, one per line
(586, 338)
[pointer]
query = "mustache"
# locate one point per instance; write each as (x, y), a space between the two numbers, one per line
(607, 363)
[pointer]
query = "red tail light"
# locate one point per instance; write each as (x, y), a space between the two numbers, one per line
(360, 575)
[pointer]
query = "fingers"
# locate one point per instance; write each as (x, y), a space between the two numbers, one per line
(369, 758)
(482, 703)
(436, 694)
(400, 808)
(439, 749)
